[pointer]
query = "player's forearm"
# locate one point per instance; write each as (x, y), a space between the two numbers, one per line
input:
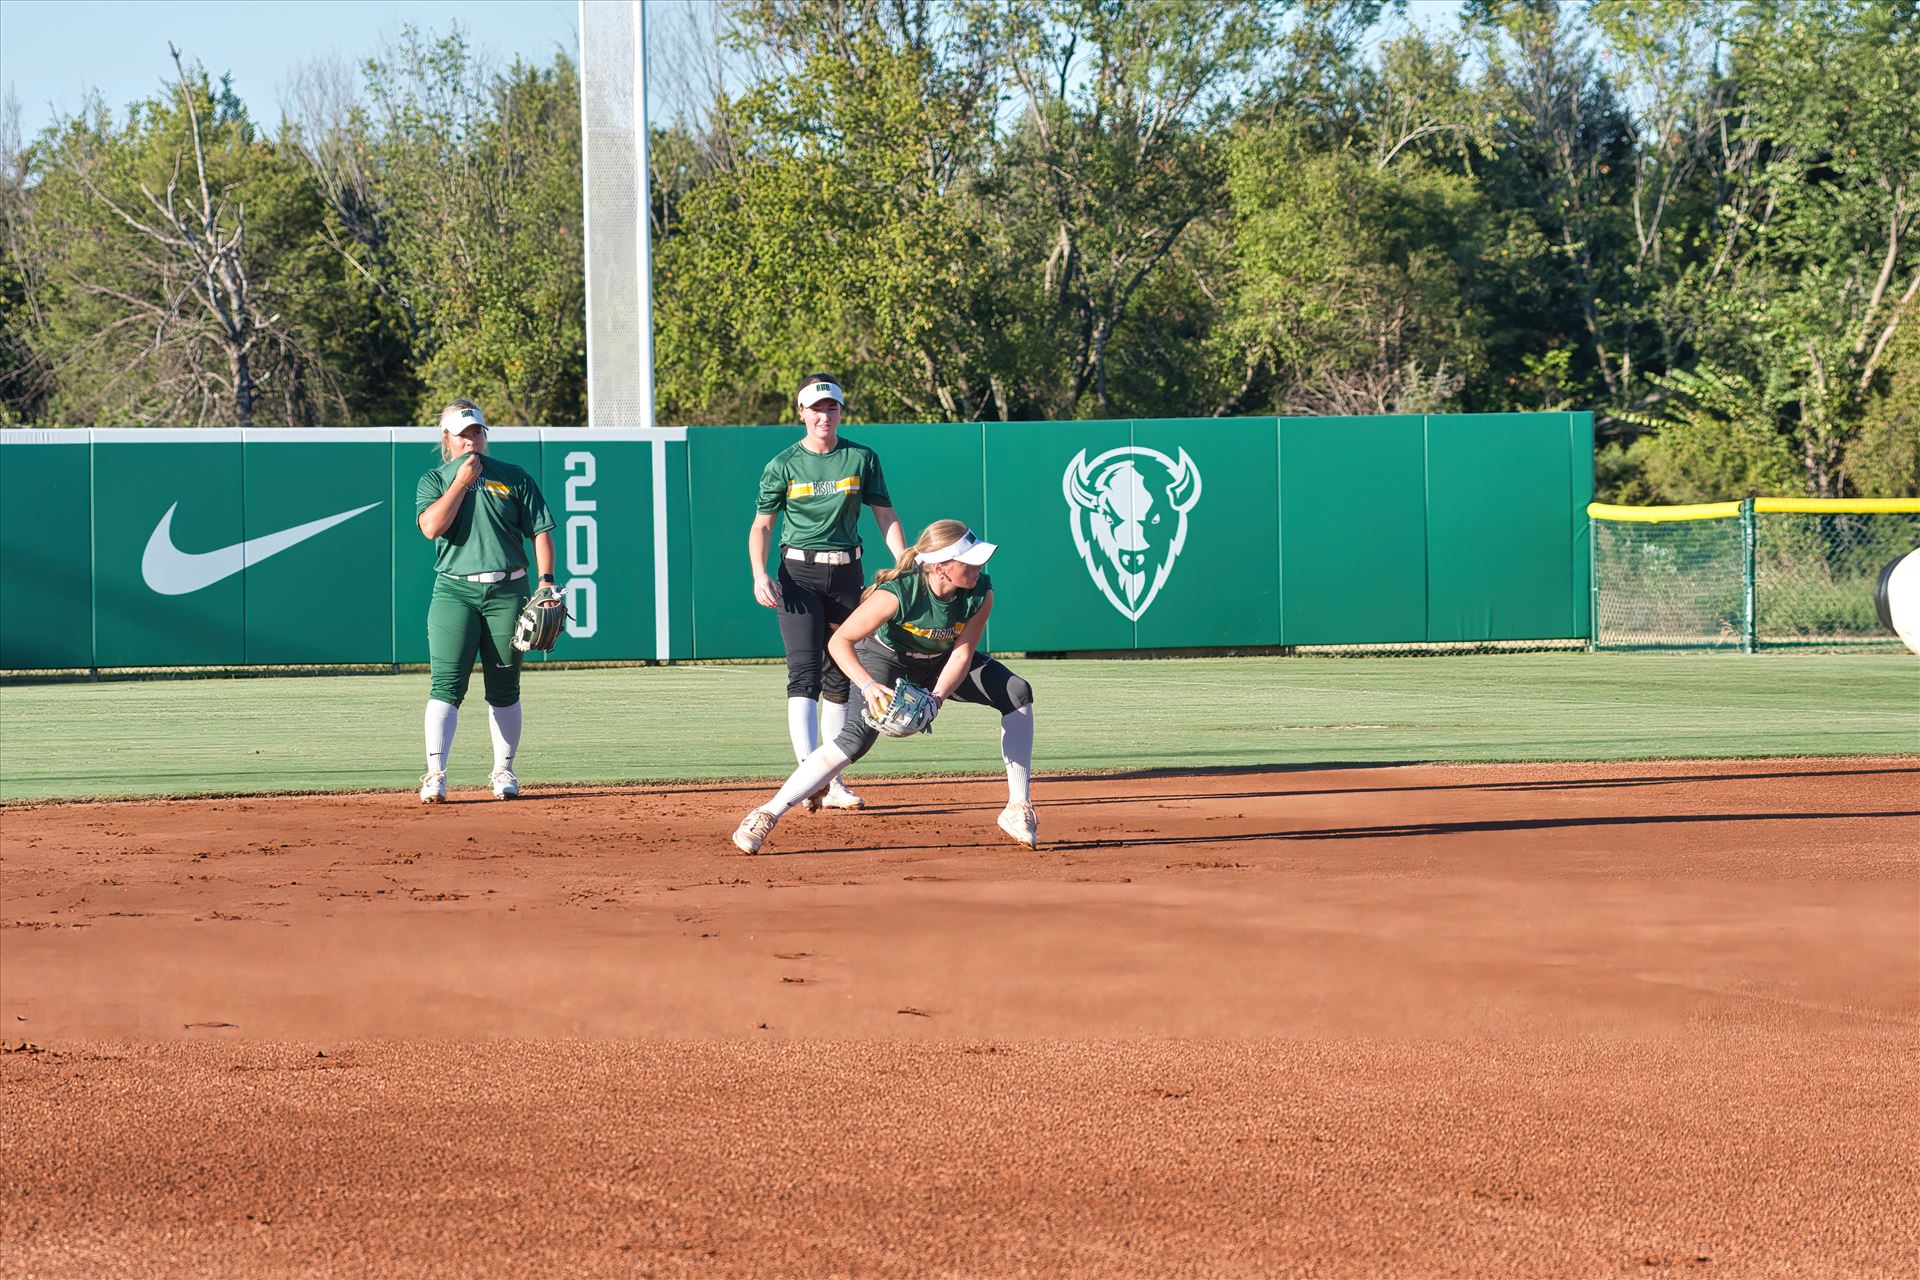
(858, 676)
(891, 531)
(958, 664)
(759, 538)
(543, 552)
(865, 622)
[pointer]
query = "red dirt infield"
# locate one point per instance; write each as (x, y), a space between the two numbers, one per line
(1541, 1020)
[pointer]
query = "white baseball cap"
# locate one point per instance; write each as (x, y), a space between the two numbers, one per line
(457, 418)
(967, 549)
(814, 392)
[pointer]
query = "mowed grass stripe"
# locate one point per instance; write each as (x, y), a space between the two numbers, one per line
(308, 733)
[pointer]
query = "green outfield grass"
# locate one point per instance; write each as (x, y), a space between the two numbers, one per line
(341, 733)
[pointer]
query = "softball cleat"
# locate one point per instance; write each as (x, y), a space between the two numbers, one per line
(838, 797)
(433, 788)
(1020, 822)
(753, 831)
(505, 785)
(813, 802)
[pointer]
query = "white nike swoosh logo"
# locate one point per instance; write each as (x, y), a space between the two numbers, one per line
(173, 572)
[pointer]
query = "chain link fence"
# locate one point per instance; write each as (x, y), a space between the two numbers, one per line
(1766, 573)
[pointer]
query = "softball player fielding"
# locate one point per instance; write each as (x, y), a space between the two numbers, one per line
(922, 620)
(479, 512)
(817, 485)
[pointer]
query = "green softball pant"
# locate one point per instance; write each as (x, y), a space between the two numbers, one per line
(468, 618)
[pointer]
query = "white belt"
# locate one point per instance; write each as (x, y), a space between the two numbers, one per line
(821, 557)
(496, 575)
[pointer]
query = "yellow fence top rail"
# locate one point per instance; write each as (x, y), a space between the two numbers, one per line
(1845, 506)
(1727, 510)
(1657, 515)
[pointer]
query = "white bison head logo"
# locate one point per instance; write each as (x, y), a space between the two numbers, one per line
(1129, 511)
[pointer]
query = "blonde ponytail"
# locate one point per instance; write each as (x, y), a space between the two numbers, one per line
(936, 535)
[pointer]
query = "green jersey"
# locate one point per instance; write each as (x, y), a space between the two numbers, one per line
(821, 493)
(491, 526)
(923, 625)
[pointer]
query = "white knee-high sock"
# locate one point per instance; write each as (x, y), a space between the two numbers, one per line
(803, 726)
(442, 719)
(1016, 748)
(505, 723)
(833, 718)
(814, 773)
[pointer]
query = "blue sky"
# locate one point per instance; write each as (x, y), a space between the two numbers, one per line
(53, 51)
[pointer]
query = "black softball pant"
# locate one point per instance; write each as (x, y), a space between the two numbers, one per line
(815, 599)
(989, 684)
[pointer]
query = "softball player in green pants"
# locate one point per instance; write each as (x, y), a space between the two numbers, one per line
(480, 512)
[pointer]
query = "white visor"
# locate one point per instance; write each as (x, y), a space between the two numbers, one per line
(814, 392)
(967, 549)
(458, 419)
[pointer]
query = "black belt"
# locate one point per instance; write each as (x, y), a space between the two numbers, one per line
(824, 556)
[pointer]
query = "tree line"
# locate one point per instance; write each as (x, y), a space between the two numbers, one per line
(1696, 219)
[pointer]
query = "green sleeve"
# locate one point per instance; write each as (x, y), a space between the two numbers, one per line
(874, 486)
(432, 485)
(773, 488)
(539, 519)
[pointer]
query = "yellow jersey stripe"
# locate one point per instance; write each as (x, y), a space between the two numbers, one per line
(802, 490)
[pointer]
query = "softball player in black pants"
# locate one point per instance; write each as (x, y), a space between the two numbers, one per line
(922, 619)
(818, 486)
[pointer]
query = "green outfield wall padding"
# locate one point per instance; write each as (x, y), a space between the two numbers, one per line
(219, 547)
(168, 584)
(675, 526)
(410, 579)
(1504, 578)
(601, 497)
(1044, 597)
(1579, 428)
(312, 602)
(1221, 586)
(1353, 530)
(723, 477)
(46, 550)
(934, 472)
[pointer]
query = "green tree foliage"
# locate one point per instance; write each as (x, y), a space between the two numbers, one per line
(175, 273)
(1358, 237)
(1353, 281)
(23, 383)
(1884, 457)
(1813, 267)
(1117, 157)
(1695, 217)
(1718, 438)
(843, 233)
(480, 180)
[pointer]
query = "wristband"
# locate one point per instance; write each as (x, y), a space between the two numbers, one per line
(865, 689)
(546, 577)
